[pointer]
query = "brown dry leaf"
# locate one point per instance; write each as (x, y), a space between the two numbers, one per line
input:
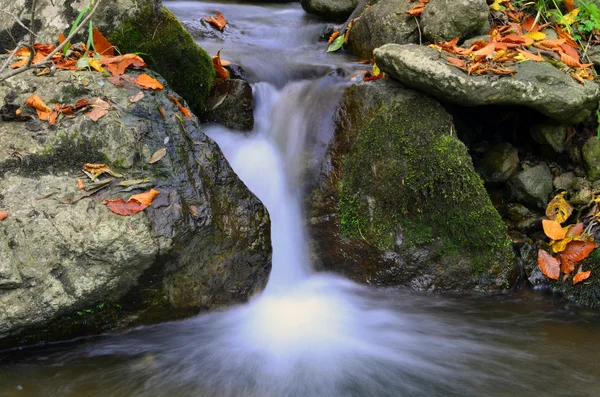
(548, 264)
(3, 215)
(158, 155)
(102, 45)
(36, 102)
(117, 65)
(575, 230)
(95, 170)
(581, 276)
(530, 56)
(219, 22)
(182, 108)
(193, 210)
(459, 63)
(162, 111)
(575, 252)
(569, 60)
(333, 36)
(559, 209)
(100, 109)
(416, 10)
(145, 198)
(123, 80)
(569, 4)
(485, 51)
(137, 97)
(553, 229)
(148, 82)
(125, 208)
(222, 73)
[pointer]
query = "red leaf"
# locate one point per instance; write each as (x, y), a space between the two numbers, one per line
(102, 45)
(581, 276)
(3, 215)
(575, 252)
(548, 264)
(124, 208)
(117, 65)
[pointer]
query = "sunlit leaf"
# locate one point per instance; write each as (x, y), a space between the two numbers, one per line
(145, 198)
(553, 229)
(575, 252)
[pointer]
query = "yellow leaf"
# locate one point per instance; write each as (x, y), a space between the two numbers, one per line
(570, 18)
(559, 209)
(96, 65)
(520, 58)
(499, 55)
(537, 36)
(495, 5)
(376, 70)
(560, 245)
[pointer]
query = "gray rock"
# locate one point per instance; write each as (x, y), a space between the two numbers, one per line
(537, 85)
(231, 104)
(203, 243)
(580, 183)
(550, 135)
(443, 20)
(564, 181)
(582, 197)
(521, 217)
(532, 186)
(499, 164)
(591, 157)
(330, 9)
(469, 42)
(385, 22)
(550, 34)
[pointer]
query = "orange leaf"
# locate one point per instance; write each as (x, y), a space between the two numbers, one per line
(100, 109)
(575, 252)
(528, 24)
(553, 229)
(571, 51)
(80, 184)
(123, 80)
(36, 102)
(117, 65)
(548, 264)
(569, 4)
(222, 73)
(121, 207)
(186, 112)
(530, 56)
(569, 60)
(459, 63)
(3, 215)
(145, 81)
(219, 22)
(416, 10)
(581, 276)
(145, 198)
(53, 117)
(102, 45)
(575, 230)
(61, 38)
(485, 51)
(333, 36)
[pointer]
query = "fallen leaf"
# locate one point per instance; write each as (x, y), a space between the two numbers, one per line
(80, 184)
(3, 215)
(145, 198)
(569, 60)
(102, 45)
(125, 208)
(137, 97)
(548, 264)
(95, 170)
(146, 81)
(530, 56)
(485, 51)
(133, 182)
(575, 230)
(182, 108)
(560, 245)
(36, 102)
(575, 252)
(581, 276)
(162, 111)
(123, 80)
(222, 73)
(61, 38)
(336, 44)
(559, 209)
(219, 22)
(569, 4)
(333, 36)
(100, 108)
(193, 210)
(553, 229)
(117, 65)
(158, 155)
(95, 64)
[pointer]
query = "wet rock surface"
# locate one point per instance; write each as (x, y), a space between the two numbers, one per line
(204, 242)
(231, 104)
(330, 9)
(443, 20)
(537, 85)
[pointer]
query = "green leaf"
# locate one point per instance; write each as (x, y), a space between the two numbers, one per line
(75, 24)
(336, 44)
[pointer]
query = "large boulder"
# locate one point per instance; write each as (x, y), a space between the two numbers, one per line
(532, 186)
(231, 104)
(68, 265)
(537, 85)
(443, 20)
(397, 200)
(330, 9)
(382, 23)
(139, 26)
(591, 157)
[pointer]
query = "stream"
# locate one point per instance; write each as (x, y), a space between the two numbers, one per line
(314, 334)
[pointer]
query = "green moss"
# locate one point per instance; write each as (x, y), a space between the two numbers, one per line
(408, 178)
(170, 50)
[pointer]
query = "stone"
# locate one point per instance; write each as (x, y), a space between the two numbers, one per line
(532, 186)
(550, 135)
(330, 9)
(581, 197)
(231, 104)
(550, 34)
(499, 164)
(537, 85)
(443, 20)
(591, 158)
(382, 23)
(564, 181)
(469, 42)
(202, 244)
(580, 183)
(398, 201)
(521, 217)
(139, 26)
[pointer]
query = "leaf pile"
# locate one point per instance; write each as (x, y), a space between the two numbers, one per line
(571, 244)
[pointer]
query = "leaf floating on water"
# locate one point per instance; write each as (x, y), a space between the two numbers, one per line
(3, 215)
(559, 209)
(581, 276)
(336, 44)
(148, 82)
(158, 155)
(553, 229)
(548, 264)
(100, 109)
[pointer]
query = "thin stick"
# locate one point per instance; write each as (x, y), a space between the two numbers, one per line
(32, 39)
(419, 28)
(18, 21)
(60, 47)
(14, 52)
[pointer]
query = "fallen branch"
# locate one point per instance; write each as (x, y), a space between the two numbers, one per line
(57, 49)
(19, 21)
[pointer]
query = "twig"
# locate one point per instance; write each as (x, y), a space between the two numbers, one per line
(419, 28)
(16, 18)
(14, 52)
(32, 39)
(57, 49)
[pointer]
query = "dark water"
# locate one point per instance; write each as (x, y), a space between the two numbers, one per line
(317, 335)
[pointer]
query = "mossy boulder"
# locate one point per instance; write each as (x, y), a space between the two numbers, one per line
(400, 202)
(68, 265)
(130, 25)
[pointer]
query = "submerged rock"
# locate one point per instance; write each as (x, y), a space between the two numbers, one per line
(145, 27)
(68, 265)
(382, 23)
(330, 9)
(532, 186)
(443, 20)
(398, 200)
(537, 85)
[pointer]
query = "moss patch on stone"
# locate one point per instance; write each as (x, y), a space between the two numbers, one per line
(408, 181)
(170, 50)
